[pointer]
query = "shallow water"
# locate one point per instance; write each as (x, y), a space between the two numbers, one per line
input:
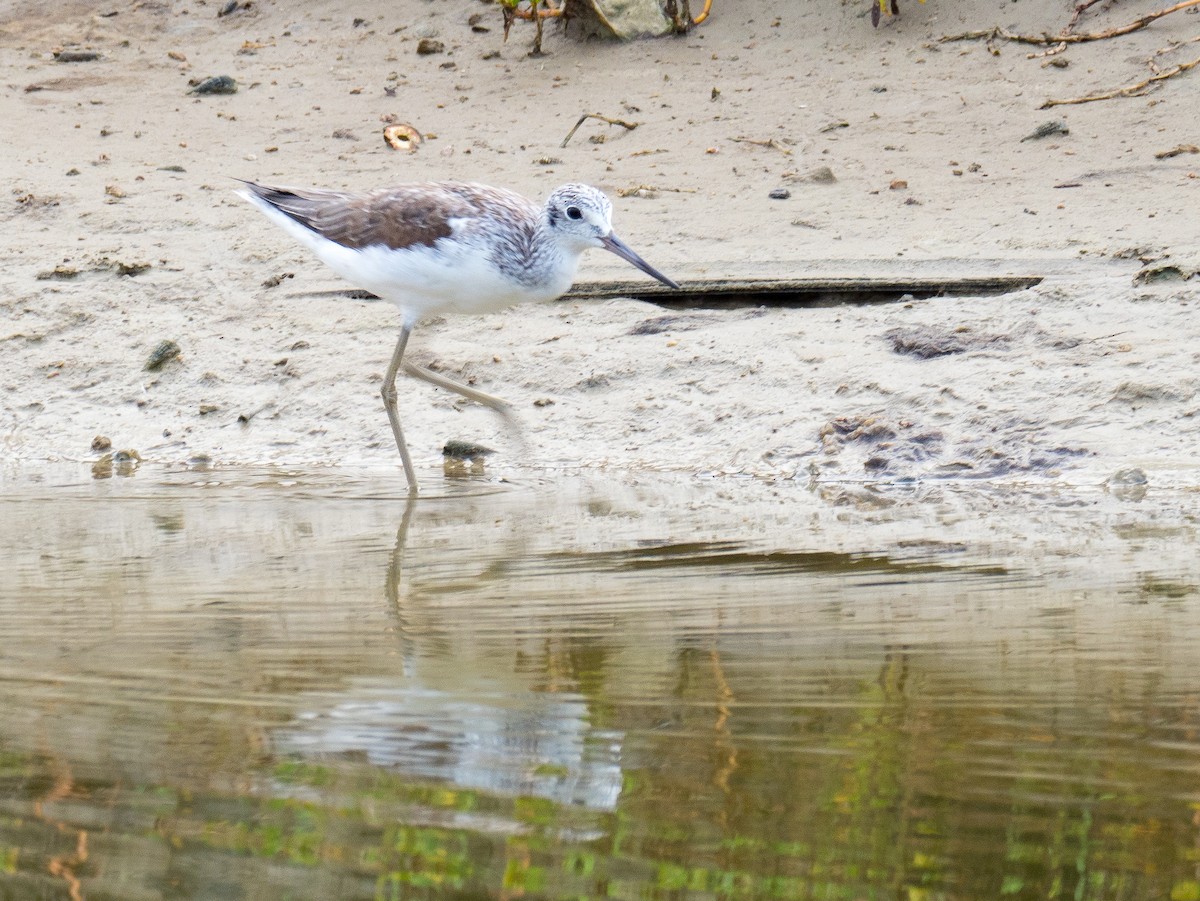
(294, 684)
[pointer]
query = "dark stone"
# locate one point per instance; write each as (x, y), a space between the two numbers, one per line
(465, 450)
(218, 84)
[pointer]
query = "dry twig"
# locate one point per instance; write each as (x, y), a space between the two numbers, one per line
(651, 191)
(769, 142)
(1131, 90)
(628, 126)
(1164, 50)
(1177, 151)
(1066, 35)
(1053, 51)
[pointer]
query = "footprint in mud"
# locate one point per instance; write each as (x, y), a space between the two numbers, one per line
(881, 443)
(903, 448)
(926, 342)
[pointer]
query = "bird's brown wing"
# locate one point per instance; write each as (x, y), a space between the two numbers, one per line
(398, 217)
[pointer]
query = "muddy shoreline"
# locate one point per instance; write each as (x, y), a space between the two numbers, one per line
(124, 232)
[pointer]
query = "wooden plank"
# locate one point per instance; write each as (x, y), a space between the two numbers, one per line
(802, 290)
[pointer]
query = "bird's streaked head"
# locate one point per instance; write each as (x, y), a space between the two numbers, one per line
(580, 216)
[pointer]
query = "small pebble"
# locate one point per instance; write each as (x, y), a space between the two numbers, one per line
(822, 175)
(428, 46)
(1053, 127)
(130, 269)
(218, 84)
(780, 194)
(164, 351)
(465, 450)
(276, 280)
(77, 56)
(61, 271)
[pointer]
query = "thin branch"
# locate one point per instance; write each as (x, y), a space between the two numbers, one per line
(1177, 151)
(1065, 35)
(1053, 51)
(628, 126)
(769, 142)
(650, 191)
(1131, 90)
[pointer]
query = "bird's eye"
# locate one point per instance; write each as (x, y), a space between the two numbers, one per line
(573, 212)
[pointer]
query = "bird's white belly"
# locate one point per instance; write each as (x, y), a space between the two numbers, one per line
(424, 280)
(452, 276)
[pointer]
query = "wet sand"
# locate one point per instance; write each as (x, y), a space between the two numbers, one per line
(115, 167)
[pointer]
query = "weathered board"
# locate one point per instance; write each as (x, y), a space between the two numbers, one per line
(802, 291)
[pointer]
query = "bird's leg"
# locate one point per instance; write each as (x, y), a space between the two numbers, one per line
(500, 406)
(389, 402)
(495, 403)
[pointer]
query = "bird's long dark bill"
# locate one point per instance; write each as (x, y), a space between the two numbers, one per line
(625, 252)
